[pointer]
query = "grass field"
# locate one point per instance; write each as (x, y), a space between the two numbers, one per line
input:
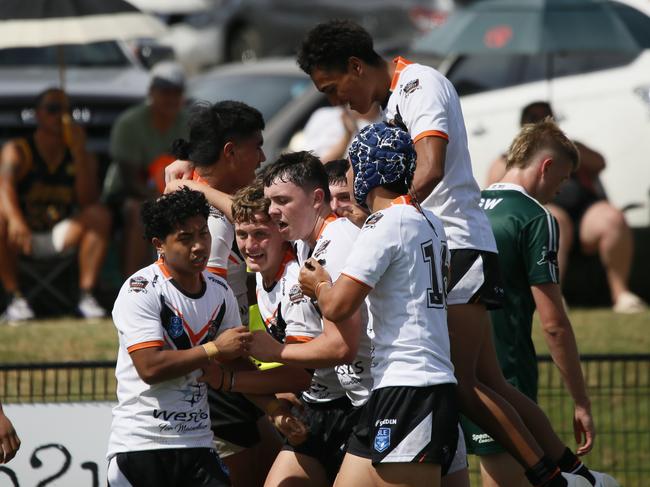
(70, 339)
(620, 391)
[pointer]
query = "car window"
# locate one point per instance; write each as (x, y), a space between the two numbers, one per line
(266, 93)
(477, 73)
(96, 54)
(473, 74)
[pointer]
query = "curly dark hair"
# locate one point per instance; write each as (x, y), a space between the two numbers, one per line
(162, 216)
(302, 168)
(329, 46)
(212, 126)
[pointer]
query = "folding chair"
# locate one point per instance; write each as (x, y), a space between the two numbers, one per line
(39, 279)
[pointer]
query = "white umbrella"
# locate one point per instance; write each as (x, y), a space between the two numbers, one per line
(39, 23)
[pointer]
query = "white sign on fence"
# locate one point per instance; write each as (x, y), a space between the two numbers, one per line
(62, 445)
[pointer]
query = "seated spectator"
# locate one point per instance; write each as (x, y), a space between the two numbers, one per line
(49, 195)
(140, 149)
(329, 131)
(588, 222)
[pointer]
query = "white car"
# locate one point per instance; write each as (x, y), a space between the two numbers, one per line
(602, 100)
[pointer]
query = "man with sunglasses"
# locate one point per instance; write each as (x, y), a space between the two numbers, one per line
(49, 196)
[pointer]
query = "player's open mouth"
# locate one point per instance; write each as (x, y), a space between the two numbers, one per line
(199, 260)
(254, 257)
(282, 225)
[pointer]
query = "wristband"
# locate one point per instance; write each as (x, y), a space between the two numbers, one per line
(318, 287)
(211, 350)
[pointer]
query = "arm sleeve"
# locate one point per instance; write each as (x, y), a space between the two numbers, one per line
(539, 241)
(303, 321)
(137, 318)
(423, 104)
(373, 251)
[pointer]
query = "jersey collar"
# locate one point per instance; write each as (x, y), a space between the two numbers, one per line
(507, 187)
(400, 63)
(405, 199)
(328, 219)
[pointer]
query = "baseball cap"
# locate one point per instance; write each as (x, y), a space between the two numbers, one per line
(167, 74)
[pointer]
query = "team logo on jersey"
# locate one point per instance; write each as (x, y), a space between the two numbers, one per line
(548, 257)
(382, 439)
(295, 294)
(175, 326)
(372, 220)
(321, 248)
(410, 87)
(138, 284)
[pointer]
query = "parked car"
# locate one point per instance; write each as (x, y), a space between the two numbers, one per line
(102, 79)
(601, 99)
(207, 32)
(283, 94)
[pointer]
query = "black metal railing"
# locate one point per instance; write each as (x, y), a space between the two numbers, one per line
(619, 386)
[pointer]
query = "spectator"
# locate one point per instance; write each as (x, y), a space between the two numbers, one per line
(329, 131)
(141, 142)
(49, 197)
(588, 222)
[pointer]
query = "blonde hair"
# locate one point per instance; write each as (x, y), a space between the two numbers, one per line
(541, 135)
(250, 201)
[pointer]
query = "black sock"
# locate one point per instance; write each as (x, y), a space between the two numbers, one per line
(545, 473)
(570, 463)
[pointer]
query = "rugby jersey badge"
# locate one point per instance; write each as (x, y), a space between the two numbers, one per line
(410, 87)
(382, 439)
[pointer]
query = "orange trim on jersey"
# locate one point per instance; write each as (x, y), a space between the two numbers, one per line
(232, 259)
(195, 338)
(218, 271)
(356, 280)
(402, 200)
(431, 133)
(140, 346)
(297, 339)
(401, 64)
(289, 255)
(198, 179)
(163, 268)
(328, 219)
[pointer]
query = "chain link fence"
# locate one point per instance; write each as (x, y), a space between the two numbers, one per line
(619, 386)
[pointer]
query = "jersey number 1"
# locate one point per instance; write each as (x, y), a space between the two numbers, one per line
(435, 293)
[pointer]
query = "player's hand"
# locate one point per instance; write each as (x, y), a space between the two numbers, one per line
(584, 430)
(74, 136)
(289, 425)
(354, 213)
(311, 274)
(178, 170)
(233, 343)
(9, 441)
(212, 375)
(264, 347)
(19, 235)
(176, 184)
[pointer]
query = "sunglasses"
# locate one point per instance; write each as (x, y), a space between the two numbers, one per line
(55, 108)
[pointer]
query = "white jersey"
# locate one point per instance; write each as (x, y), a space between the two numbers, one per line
(225, 260)
(429, 106)
(150, 311)
(403, 258)
(290, 317)
(333, 246)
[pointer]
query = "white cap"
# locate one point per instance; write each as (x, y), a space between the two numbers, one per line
(167, 74)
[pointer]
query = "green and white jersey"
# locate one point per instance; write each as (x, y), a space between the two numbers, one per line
(527, 238)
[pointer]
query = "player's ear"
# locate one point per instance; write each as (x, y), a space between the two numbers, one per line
(228, 149)
(158, 244)
(547, 162)
(355, 65)
(319, 197)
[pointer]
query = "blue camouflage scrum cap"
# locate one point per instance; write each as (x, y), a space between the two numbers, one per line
(381, 154)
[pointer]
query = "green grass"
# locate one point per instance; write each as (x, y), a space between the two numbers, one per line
(71, 339)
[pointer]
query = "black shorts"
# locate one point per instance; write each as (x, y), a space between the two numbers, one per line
(330, 425)
(475, 278)
(408, 425)
(234, 418)
(173, 467)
